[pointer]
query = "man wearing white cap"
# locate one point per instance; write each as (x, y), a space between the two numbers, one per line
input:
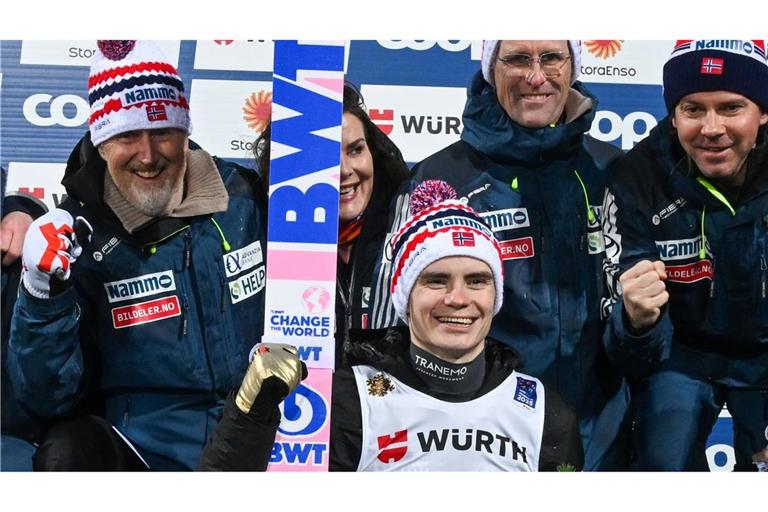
(526, 165)
(143, 308)
(687, 215)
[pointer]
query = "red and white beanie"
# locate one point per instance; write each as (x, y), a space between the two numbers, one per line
(489, 50)
(716, 65)
(440, 226)
(132, 86)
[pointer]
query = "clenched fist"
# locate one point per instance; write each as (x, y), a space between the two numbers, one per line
(269, 360)
(644, 293)
(51, 246)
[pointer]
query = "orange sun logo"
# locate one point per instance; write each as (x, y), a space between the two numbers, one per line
(258, 110)
(604, 48)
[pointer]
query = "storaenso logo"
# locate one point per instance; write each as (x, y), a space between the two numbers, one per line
(511, 218)
(57, 113)
(141, 286)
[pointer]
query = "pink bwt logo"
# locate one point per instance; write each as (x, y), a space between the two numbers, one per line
(316, 299)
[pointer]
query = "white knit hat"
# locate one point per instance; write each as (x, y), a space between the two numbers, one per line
(435, 231)
(132, 86)
(489, 48)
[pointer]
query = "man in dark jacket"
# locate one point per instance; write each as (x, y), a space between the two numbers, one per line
(152, 321)
(687, 222)
(437, 395)
(525, 164)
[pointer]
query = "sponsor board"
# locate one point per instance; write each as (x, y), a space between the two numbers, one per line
(622, 122)
(419, 120)
(234, 55)
(448, 45)
(228, 115)
(302, 441)
(78, 53)
(145, 312)
(38, 179)
(623, 62)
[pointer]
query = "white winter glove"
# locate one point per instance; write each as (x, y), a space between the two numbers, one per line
(50, 247)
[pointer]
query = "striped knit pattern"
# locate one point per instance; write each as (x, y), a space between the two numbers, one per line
(438, 232)
(140, 91)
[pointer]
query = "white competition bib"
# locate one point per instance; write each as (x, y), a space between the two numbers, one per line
(406, 430)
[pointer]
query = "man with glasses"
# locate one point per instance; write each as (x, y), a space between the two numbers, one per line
(525, 163)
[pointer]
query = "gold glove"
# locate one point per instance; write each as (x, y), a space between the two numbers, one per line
(269, 360)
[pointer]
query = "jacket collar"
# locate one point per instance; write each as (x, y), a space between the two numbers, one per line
(488, 128)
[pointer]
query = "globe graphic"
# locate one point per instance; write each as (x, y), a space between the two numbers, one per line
(316, 299)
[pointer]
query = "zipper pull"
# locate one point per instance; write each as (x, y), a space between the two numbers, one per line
(763, 267)
(187, 250)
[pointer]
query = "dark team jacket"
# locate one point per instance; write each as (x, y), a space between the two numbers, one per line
(715, 255)
(536, 188)
(243, 443)
(158, 324)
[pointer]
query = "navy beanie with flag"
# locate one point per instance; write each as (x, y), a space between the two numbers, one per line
(716, 65)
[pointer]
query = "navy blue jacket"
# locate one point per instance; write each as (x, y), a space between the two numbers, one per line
(540, 190)
(158, 323)
(716, 272)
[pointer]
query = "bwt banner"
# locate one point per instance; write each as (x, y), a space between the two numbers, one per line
(414, 91)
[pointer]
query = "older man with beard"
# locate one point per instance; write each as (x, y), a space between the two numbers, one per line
(149, 323)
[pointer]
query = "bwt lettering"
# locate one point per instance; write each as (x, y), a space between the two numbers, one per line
(298, 453)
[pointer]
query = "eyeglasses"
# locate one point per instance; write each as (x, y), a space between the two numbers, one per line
(551, 63)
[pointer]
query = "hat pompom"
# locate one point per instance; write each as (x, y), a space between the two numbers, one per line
(428, 193)
(114, 49)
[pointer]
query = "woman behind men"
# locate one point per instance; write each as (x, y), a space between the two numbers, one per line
(370, 162)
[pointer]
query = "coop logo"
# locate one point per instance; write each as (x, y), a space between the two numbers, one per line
(426, 44)
(631, 129)
(604, 48)
(67, 110)
(511, 218)
(141, 286)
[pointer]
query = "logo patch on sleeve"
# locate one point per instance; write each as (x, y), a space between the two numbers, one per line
(145, 312)
(526, 392)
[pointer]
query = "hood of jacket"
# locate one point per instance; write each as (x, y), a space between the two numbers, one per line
(488, 128)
